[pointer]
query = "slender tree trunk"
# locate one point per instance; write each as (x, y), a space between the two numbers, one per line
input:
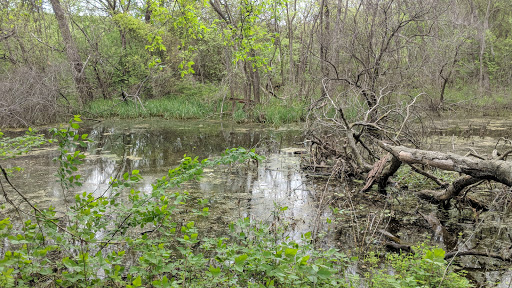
(255, 80)
(281, 62)
(483, 77)
(101, 83)
(248, 82)
(289, 25)
(324, 35)
(339, 30)
(148, 13)
(324, 41)
(81, 83)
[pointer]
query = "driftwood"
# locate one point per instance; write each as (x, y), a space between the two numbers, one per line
(375, 173)
(394, 243)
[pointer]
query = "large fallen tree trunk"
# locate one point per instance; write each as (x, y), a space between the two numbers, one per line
(497, 170)
(475, 169)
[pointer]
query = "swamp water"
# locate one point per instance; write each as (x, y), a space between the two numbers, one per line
(155, 146)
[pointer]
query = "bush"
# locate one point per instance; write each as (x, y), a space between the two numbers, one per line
(425, 268)
(28, 97)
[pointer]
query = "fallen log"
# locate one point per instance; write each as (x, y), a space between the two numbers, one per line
(475, 170)
(394, 243)
(454, 188)
(496, 170)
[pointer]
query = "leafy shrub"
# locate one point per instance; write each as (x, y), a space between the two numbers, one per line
(425, 268)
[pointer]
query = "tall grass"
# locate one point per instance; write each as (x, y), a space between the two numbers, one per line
(188, 102)
(199, 102)
(278, 112)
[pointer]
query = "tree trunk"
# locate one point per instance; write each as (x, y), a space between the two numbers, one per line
(81, 83)
(484, 77)
(289, 25)
(255, 80)
(324, 35)
(248, 83)
(148, 13)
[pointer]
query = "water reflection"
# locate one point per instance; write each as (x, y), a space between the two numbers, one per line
(153, 147)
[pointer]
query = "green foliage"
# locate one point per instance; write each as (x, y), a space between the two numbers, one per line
(425, 268)
(139, 235)
(198, 102)
(240, 115)
(278, 112)
(253, 259)
(186, 102)
(131, 25)
(70, 156)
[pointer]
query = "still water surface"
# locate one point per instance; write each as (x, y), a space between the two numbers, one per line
(155, 146)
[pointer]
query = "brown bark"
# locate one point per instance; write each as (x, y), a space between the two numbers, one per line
(248, 82)
(506, 258)
(483, 75)
(79, 78)
(454, 188)
(376, 172)
(101, 83)
(440, 234)
(388, 172)
(289, 24)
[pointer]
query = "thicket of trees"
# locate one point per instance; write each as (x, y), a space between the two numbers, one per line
(254, 48)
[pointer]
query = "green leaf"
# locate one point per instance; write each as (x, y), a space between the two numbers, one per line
(214, 271)
(304, 260)
(137, 282)
(324, 273)
(240, 260)
(290, 252)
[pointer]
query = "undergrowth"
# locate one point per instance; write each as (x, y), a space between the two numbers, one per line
(199, 102)
(426, 267)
